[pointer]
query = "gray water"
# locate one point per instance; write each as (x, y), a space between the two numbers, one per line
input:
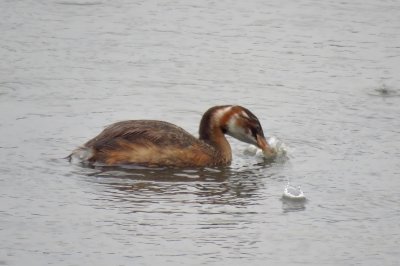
(322, 76)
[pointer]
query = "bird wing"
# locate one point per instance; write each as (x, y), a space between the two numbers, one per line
(141, 132)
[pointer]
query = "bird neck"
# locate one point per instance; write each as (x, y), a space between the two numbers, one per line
(212, 132)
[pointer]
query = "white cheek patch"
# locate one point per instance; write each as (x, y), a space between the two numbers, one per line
(239, 132)
(233, 125)
(233, 128)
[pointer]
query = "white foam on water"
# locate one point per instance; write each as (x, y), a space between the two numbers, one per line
(278, 146)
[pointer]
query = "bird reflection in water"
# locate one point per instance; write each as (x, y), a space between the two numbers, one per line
(220, 185)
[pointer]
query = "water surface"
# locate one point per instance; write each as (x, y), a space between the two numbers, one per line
(321, 76)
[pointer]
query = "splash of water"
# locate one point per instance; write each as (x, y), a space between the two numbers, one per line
(290, 192)
(293, 193)
(278, 146)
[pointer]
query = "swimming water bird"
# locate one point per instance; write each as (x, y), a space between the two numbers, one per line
(158, 143)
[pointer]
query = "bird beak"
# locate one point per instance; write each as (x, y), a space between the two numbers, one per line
(264, 146)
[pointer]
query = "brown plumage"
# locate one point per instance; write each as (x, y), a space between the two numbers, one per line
(158, 143)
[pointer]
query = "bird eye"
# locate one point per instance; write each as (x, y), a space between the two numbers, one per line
(254, 132)
(257, 130)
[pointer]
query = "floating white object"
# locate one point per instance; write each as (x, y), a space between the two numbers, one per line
(293, 193)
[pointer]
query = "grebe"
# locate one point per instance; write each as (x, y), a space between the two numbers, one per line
(158, 143)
